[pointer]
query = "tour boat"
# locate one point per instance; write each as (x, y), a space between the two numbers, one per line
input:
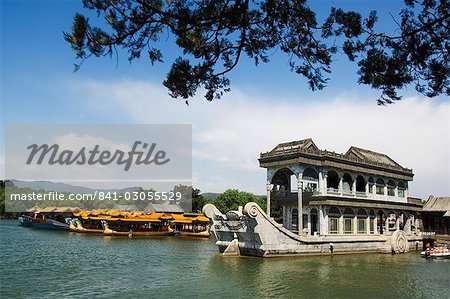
(76, 225)
(137, 224)
(437, 252)
(55, 218)
(41, 221)
(191, 225)
(136, 227)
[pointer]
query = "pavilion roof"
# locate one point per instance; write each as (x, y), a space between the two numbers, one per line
(302, 144)
(437, 204)
(354, 156)
(371, 156)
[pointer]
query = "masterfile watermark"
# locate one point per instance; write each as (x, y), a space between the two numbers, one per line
(110, 164)
(95, 155)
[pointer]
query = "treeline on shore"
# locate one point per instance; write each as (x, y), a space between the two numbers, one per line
(226, 201)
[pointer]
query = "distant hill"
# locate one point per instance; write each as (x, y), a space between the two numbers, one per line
(210, 195)
(63, 187)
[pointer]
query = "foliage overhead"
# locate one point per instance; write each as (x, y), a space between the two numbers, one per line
(215, 35)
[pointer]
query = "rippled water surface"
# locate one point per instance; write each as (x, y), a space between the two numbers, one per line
(41, 263)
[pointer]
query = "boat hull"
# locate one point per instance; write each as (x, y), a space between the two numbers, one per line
(110, 232)
(203, 234)
(77, 226)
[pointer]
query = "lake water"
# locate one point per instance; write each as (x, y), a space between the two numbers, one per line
(40, 263)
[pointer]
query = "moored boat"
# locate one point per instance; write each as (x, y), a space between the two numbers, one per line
(437, 252)
(55, 218)
(136, 224)
(191, 225)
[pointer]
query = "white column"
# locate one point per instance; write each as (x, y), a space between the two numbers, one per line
(320, 183)
(354, 188)
(375, 224)
(396, 191)
(406, 193)
(367, 188)
(300, 204)
(368, 225)
(341, 179)
(341, 225)
(325, 184)
(386, 224)
(269, 187)
(385, 190)
(374, 189)
(309, 223)
(323, 222)
(355, 224)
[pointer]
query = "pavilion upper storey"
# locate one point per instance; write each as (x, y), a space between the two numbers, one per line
(358, 172)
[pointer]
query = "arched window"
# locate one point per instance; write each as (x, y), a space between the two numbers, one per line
(349, 215)
(392, 220)
(391, 188)
(333, 220)
(332, 181)
(362, 220)
(380, 186)
(294, 218)
(372, 221)
(401, 189)
(360, 184)
(282, 182)
(314, 220)
(347, 183)
(310, 179)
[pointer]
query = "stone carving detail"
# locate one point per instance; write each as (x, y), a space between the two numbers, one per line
(212, 212)
(399, 242)
(234, 221)
(251, 209)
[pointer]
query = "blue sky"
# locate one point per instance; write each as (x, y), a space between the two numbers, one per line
(38, 86)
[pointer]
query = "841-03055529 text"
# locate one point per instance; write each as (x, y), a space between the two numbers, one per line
(98, 195)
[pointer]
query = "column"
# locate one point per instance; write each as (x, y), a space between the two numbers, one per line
(341, 179)
(354, 188)
(386, 224)
(396, 191)
(406, 193)
(367, 188)
(355, 225)
(341, 225)
(397, 222)
(300, 204)
(375, 224)
(325, 185)
(309, 222)
(368, 225)
(285, 223)
(321, 191)
(374, 189)
(323, 222)
(269, 187)
(385, 190)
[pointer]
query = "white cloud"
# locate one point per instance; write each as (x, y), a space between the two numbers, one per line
(229, 134)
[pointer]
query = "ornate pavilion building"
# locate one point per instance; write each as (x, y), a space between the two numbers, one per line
(331, 203)
(360, 192)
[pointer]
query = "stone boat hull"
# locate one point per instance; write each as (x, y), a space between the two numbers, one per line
(252, 233)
